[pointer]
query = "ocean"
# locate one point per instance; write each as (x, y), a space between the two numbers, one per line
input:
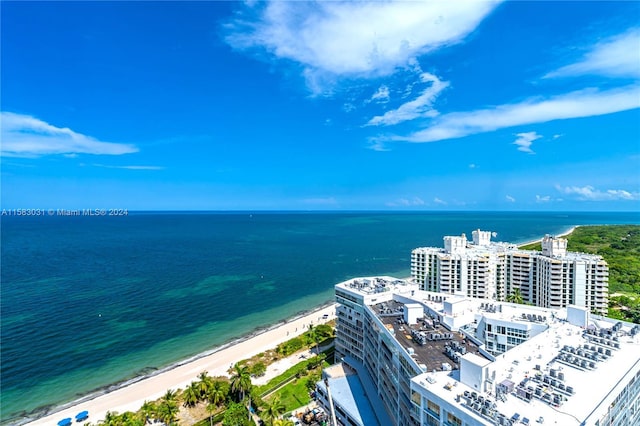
(88, 302)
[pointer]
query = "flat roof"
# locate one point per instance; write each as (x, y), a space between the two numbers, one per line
(433, 353)
(546, 364)
(348, 393)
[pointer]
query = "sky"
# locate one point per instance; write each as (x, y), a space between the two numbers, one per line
(300, 105)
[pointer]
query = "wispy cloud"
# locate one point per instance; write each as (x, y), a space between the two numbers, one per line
(406, 202)
(525, 140)
(543, 198)
(352, 39)
(510, 199)
(381, 96)
(422, 106)
(129, 167)
(589, 193)
(320, 201)
(439, 201)
(27, 136)
(378, 144)
(584, 103)
(615, 57)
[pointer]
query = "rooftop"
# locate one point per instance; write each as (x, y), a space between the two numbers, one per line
(564, 373)
(428, 342)
(347, 389)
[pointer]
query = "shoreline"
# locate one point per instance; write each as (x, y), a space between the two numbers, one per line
(563, 234)
(130, 394)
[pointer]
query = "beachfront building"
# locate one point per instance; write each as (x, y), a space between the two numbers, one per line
(551, 278)
(412, 357)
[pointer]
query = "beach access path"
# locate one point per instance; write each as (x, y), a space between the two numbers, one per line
(131, 397)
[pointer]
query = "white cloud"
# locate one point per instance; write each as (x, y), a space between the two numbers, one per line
(557, 136)
(618, 56)
(27, 136)
(353, 39)
(525, 140)
(348, 107)
(377, 144)
(543, 199)
(589, 193)
(422, 106)
(584, 103)
(321, 201)
(381, 96)
(130, 167)
(439, 201)
(406, 202)
(510, 199)
(472, 166)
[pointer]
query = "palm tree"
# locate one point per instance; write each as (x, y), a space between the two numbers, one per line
(130, 419)
(282, 422)
(110, 418)
(191, 394)
(274, 409)
(217, 393)
(240, 380)
(167, 411)
(147, 410)
(170, 395)
(211, 408)
(515, 297)
(205, 383)
(313, 335)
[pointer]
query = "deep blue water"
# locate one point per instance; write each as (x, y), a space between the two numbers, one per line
(91, 301)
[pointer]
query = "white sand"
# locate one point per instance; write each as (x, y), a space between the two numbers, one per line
(539, 240)
(131, 397)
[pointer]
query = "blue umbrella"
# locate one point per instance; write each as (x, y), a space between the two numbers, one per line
(82, 415)
(65, 422)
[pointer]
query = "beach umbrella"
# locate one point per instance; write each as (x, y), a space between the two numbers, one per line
(65, 422)
(82, 415)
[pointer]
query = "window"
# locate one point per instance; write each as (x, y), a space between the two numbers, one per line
(415, 397)
(433, 408)
(453, 420)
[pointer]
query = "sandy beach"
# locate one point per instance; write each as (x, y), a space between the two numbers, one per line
(131, 397)
(564, 234)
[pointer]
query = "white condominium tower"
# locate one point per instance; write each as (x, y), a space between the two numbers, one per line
(408, 357)
(551, 278)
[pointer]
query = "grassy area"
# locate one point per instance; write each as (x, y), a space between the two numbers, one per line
(296, 393)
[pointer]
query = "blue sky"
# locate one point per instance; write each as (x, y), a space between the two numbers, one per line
(316, 106)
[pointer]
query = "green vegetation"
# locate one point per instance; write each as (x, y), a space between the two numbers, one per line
(515, 297)
(222, 400)
(293, 386)
(619, 245)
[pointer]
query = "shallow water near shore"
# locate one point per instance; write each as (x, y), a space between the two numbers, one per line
(92, 301)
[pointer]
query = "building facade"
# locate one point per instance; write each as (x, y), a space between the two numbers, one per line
(424, 358)
(551, 278)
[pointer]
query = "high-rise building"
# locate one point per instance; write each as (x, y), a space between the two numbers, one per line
(551, 278)
(412, 357)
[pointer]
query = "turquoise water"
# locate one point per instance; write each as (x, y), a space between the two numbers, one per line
(92, 301)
